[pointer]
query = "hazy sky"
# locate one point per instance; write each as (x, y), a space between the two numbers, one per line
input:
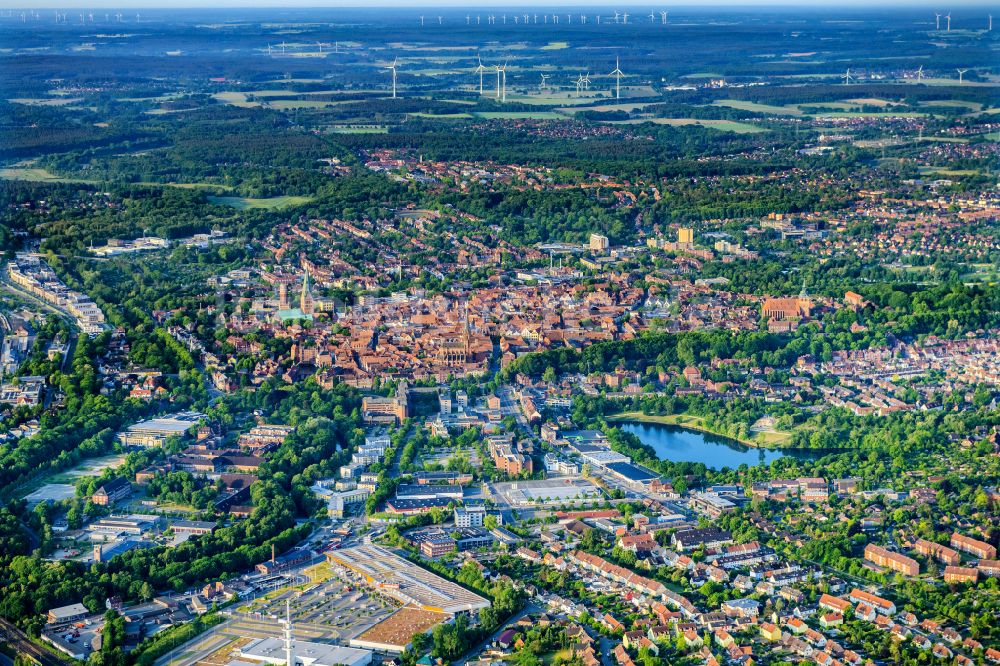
(474, 4)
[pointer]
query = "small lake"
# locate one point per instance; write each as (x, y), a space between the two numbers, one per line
(681, 445)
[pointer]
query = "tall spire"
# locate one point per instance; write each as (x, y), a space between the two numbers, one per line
(305, 299)
(466, 331)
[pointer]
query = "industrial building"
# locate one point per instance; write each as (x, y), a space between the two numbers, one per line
(155, 432)
(404, 581)
(394, 634)
(304, 653)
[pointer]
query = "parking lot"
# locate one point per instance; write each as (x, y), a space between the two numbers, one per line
(330, 610)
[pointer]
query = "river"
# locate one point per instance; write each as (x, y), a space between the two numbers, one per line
(681, 445)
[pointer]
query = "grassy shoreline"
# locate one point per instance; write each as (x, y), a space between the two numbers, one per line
(696, 423)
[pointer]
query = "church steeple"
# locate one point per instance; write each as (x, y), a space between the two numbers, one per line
(305, 299)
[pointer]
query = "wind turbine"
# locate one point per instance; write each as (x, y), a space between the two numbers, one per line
(583, 19)
(937, 21)
(618, 74)
(663, 18)
(989, 23)
(920, 73)
(497, 67)
(503, 89)
(586, 81)
(421, 21)
(625, 18)
(961, 73)
(847, 77)
(652, 16)
(541, 86)
(948, 19)
(617, 17)
(269, 49)
(579, 84)
(480, 70)
(392, 67)
(468, 20)
(440, 18)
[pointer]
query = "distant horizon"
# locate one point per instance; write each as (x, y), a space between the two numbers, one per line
(473, 5)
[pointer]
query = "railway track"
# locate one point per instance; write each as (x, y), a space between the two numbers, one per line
(23, 645)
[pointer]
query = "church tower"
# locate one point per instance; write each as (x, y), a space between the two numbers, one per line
(306, 300)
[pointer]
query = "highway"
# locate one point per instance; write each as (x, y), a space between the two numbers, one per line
(23, 645)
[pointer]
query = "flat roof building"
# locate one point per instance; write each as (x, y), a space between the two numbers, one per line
(404, 581)
(305, 653)
(395, 634)
(70, 613)
(155, 432)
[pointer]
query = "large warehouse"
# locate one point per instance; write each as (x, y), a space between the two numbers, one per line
(404, 581)
(272, 651)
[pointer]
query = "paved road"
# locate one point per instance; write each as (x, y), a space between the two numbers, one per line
(23, 645)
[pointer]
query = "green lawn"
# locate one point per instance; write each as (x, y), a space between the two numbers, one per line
(36, 175)
(243, 203)
(517, 115)
(745, 105)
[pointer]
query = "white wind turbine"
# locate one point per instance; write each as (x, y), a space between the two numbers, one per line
(848, 77)
(948, 19)
(503, 89)
(937, 21)
(663, 18)
(618, 74)
(497, 67)
(920, 73)
(541, 86)
(652, 16)
(392, 68)
(961, 73)
(480, 71)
